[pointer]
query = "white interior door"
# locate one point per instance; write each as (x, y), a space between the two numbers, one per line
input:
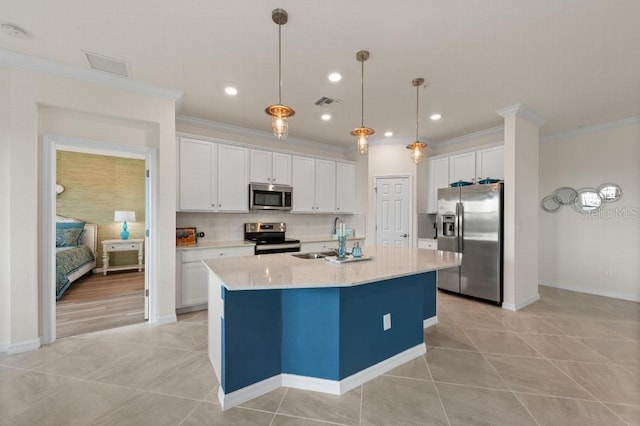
(393, 211)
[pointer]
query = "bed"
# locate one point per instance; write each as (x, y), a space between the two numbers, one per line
(75, 251)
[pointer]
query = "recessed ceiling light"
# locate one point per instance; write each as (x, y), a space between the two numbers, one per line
(388, 134)
(436, 116)
(335, 76)
(326, 117)
(232, 91)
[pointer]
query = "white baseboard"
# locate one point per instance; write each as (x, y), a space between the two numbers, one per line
(335, 387)
(595, 292)
(518, 306)
(16, 348)
(380, 368)
(167, 319)
(249, 392)
(430, 322)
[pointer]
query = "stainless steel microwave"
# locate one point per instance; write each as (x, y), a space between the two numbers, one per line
(264, 196)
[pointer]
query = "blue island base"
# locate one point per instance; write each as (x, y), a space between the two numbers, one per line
(322, 339)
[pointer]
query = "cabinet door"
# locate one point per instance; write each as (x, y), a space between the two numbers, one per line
(260, 166)
(196, 183)
(194, 284)
(233, 185)
(345, 187)
(303, 179)
(325, 186)
(490, 163)
(438, 178)
(462, 167)
(281, 169)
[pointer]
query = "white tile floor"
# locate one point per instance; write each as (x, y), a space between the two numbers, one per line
(569, 359)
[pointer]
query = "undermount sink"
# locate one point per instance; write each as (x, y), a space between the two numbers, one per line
(320, 255)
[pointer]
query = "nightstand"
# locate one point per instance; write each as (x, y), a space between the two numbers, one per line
(110, 246)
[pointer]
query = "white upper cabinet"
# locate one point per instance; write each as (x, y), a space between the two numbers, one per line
(197, 183)
(462, 167)
(490, 163)
(212, 176)
(233, 187)
(469, 166)
(303, 178)
(345, 187)
(270, 167)
(438, 178)
(314, 185)
(281, 171)
(325, 186)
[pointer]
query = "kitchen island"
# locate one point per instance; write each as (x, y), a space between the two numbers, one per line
(279, 320)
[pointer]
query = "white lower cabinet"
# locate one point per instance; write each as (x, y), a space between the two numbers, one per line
(427, 243)
(192, 275)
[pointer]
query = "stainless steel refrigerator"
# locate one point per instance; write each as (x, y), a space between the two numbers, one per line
(470, 221)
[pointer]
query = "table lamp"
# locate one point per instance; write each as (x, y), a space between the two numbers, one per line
(124, 217)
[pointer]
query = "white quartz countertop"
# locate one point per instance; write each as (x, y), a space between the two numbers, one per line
(282, 270)
(218, 244)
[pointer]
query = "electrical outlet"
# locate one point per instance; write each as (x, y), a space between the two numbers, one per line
(386, 322)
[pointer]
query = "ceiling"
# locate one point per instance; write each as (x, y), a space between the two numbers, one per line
(574, 62)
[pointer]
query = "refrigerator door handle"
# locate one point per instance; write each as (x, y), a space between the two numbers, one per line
(461, 227)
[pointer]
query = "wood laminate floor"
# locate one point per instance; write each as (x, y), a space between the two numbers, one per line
(97, 302)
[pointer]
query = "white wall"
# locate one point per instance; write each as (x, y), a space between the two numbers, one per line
(598, 255)
(389, 160)
(5, 193)
(29, 94)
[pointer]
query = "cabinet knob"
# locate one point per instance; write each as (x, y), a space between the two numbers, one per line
(337, 208)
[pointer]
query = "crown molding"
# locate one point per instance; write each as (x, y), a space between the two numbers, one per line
(591, 129)
(522, 111)
(214, 125)
(470, 136)
(397, 141)
(47, 66)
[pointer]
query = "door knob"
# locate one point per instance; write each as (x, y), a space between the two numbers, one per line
(404, 235)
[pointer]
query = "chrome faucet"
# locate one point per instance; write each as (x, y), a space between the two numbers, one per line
(336, 221)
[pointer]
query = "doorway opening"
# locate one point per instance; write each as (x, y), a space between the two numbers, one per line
(85, 183)
(97, 189)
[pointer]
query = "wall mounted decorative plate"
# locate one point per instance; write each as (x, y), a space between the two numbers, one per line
(550, 204)
(565, 195)
(610, 192)
(588, 201)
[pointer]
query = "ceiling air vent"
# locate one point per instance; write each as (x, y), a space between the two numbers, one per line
(324, 101)
(105, 64)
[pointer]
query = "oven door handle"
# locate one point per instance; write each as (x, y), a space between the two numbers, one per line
(262, 247)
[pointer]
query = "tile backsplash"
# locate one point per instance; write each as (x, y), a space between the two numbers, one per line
(229, 226)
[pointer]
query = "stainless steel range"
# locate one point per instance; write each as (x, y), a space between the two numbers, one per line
(270, 238)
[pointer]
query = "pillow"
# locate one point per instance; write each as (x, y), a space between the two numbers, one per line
(70, 225)
(66, 219)
(69, 237)
(69, 234)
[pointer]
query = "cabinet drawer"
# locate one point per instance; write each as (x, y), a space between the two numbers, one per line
(123, 247)
(213, 253)
(428, 244)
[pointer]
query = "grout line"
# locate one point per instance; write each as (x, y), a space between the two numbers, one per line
(278, 407)
(361, 399)
(446, 416)
(190, 413)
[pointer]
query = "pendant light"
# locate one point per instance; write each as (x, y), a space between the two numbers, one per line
(417, 147)
(280, 113)
(362, 133)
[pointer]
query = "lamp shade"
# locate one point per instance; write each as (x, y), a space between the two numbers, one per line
(124, 216)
